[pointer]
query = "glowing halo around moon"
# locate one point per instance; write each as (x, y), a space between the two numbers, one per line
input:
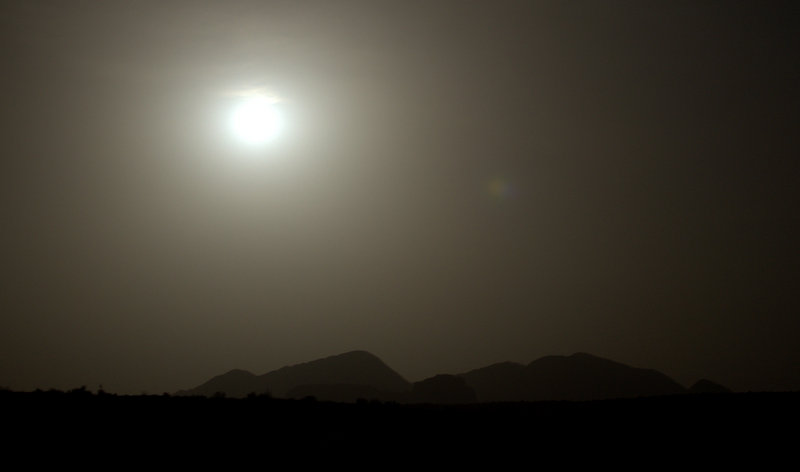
(256, 120)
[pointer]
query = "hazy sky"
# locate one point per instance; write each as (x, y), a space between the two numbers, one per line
(457, 183)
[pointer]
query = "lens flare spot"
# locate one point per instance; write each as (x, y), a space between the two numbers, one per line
(499, 188)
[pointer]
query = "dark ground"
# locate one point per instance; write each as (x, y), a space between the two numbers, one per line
(710, 429)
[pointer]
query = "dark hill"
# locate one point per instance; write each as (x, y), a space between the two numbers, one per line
(236, 383)
(576, 377)
(359, 374)
(442, 389)
(352, 368)
(343, 393)
(707, 386)
(500, 382)
(355, 368)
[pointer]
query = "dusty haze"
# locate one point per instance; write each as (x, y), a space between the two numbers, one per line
(458, 183)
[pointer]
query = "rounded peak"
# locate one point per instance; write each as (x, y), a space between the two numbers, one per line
(357, 353)
(238, 373)
(577, 359)
(584, 355)
(708, 386)
(354, 356)
(549, 359)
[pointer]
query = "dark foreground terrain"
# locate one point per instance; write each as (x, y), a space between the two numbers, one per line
(86, 427)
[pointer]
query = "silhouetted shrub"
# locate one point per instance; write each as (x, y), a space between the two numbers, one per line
(80, 391)
(259, 396)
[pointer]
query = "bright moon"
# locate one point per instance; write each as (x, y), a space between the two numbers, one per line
(256, 120)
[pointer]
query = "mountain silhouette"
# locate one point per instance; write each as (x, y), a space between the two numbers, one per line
(235, 383)
(360, 375)
(707, 386)
(355, 368)
(344, 393)
(577, 377)
(502, 382)
(442, 389)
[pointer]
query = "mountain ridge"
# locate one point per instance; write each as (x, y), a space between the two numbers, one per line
(349, 368)
(355, 374)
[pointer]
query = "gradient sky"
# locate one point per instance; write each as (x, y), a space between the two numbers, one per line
(458, 183)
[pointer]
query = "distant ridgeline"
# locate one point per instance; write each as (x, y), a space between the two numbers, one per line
(358, 375)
